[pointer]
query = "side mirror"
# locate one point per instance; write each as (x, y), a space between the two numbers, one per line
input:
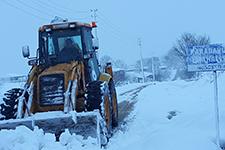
(26, 51)
(95, 43)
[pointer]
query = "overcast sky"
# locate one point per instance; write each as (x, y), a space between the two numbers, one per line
(120, 23)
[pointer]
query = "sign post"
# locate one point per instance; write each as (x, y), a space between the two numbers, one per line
(208, 58)
(216, 110)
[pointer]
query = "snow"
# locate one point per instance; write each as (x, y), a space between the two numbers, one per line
(170, 115)
(128, 87)
(190, 107)
(22, 138)
(122, 90)
(192, 128)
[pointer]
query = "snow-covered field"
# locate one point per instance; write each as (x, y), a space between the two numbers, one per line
(168, 115)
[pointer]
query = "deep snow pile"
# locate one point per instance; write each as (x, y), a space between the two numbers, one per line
(22, 138)
(168, 115)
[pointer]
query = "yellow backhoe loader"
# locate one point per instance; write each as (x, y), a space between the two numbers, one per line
(65, 88)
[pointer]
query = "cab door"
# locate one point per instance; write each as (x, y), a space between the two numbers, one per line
(92, 61)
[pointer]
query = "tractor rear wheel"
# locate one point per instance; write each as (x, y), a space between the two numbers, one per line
(114, 103)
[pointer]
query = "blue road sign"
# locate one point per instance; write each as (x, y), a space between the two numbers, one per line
(206, 58)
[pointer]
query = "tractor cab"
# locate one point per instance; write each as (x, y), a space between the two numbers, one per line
(65, 42)
(62, 43)
(60, 46)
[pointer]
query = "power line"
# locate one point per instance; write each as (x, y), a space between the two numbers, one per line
(113, 25)
(34, 8)
(119, 36)
(95, 18)
(122, 43)
(119, 40)
(55, 5)
(23, 10)
(109, 21)
(43, 5)
(57, 11)
(112, 30)
(112, 33)
(49, 13)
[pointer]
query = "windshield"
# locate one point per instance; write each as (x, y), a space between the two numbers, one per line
(63, 45)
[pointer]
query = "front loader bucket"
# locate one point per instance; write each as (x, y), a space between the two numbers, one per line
(85, 124)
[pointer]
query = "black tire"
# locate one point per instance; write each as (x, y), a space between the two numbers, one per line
(93, 96)
(96, 94)
(114, 103)
(9, 108)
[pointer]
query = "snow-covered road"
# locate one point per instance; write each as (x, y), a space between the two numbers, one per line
(173, 116)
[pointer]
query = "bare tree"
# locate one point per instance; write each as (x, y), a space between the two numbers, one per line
(176, 57)
(120, 64)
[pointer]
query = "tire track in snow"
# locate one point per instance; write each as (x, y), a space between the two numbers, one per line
(125, 107)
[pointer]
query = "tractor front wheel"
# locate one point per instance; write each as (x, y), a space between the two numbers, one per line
(98, 97)
(8, 109)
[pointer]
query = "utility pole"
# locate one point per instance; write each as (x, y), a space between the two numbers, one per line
(142, 67)
(94, 18)
(153, 69)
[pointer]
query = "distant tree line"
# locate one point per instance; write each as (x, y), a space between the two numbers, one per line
(118, 63)
(173, 64)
